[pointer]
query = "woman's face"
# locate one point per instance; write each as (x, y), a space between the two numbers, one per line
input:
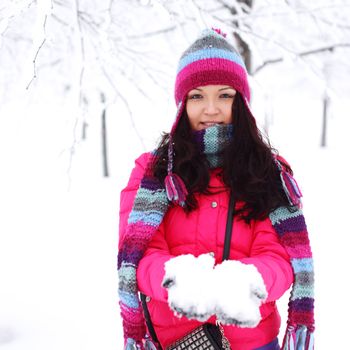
(209, 105)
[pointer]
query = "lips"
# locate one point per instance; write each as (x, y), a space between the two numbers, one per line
(209, 124)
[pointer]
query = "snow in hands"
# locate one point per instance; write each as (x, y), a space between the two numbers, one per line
(199, 289)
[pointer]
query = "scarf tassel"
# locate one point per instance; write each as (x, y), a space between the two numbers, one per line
(291, 188)
(289, 339)
(149, 345)
(309, 343)
(175, 189)
(131, 344)
(299, 338)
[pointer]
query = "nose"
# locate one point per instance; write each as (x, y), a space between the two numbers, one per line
(211, 108)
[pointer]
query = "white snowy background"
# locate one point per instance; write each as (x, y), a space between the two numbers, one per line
(59, 213)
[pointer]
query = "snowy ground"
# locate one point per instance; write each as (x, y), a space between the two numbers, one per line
(58, 242)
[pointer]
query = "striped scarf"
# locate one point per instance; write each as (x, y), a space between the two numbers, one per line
(212, 142)
(292, 232)
(150, 205)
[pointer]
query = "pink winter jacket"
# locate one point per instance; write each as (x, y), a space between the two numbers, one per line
(203, 231)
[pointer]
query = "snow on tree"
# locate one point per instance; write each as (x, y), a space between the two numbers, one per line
(101, 54)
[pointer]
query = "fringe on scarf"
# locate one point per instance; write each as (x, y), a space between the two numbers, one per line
(290, 186)
(175, 189)
(298, 338)
(147, 344)
(131, 345)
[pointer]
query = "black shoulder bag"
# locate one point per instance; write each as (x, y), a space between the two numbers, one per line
(208, 336)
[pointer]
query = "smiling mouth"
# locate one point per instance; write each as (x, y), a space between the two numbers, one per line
(209, 124)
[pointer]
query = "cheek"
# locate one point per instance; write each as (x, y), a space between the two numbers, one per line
(228, 113)
(192, 112)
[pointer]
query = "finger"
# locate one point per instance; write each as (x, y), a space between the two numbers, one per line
(168, 282)
(259, 293)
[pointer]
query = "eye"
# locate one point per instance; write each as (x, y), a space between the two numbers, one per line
(226, 95)
(195, 97)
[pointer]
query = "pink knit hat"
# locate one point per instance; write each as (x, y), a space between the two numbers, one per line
(210, 60)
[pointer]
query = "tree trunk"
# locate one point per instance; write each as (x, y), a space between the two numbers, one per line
(245, 52)
(243, 47)
(324, 120)
(104, 139)
(84, 133)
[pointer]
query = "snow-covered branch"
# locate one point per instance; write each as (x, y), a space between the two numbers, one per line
(43, 11)
(302, 54)
(127, 48)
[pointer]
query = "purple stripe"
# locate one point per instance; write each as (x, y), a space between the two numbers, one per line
(150, 183)
(304, 304)
(293, 224)
(130, 256)
(198, 137)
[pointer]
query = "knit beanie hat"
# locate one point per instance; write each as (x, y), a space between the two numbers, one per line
(210, 60)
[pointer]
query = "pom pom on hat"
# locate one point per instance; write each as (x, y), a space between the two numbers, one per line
(219, 31)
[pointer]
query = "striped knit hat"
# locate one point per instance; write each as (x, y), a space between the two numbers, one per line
(210, 60)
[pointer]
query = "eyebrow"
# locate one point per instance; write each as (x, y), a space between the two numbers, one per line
(225, 88)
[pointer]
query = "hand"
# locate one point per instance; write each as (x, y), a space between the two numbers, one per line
(189, 283)
(232, 290)
(241, 292)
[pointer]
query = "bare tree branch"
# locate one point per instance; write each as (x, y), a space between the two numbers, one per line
(209, 10)
(301, 54)
(59, 3)
(59, 20)
(151, 34)
(81, 76)
(331, 23)
(71, 152)
(123, 99)
(37, 53)
(298, 11)
(12, 15)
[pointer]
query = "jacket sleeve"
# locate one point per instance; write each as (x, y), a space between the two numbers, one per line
(128, 194)
(271, 259)
(150, 272)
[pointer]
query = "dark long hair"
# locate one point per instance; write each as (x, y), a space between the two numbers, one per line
(248, 168)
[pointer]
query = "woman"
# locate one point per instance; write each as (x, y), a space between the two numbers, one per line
(173, 214)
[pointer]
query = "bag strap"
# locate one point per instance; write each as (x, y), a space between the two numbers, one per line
(148, 320)
(228, 231)
(225, 256)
